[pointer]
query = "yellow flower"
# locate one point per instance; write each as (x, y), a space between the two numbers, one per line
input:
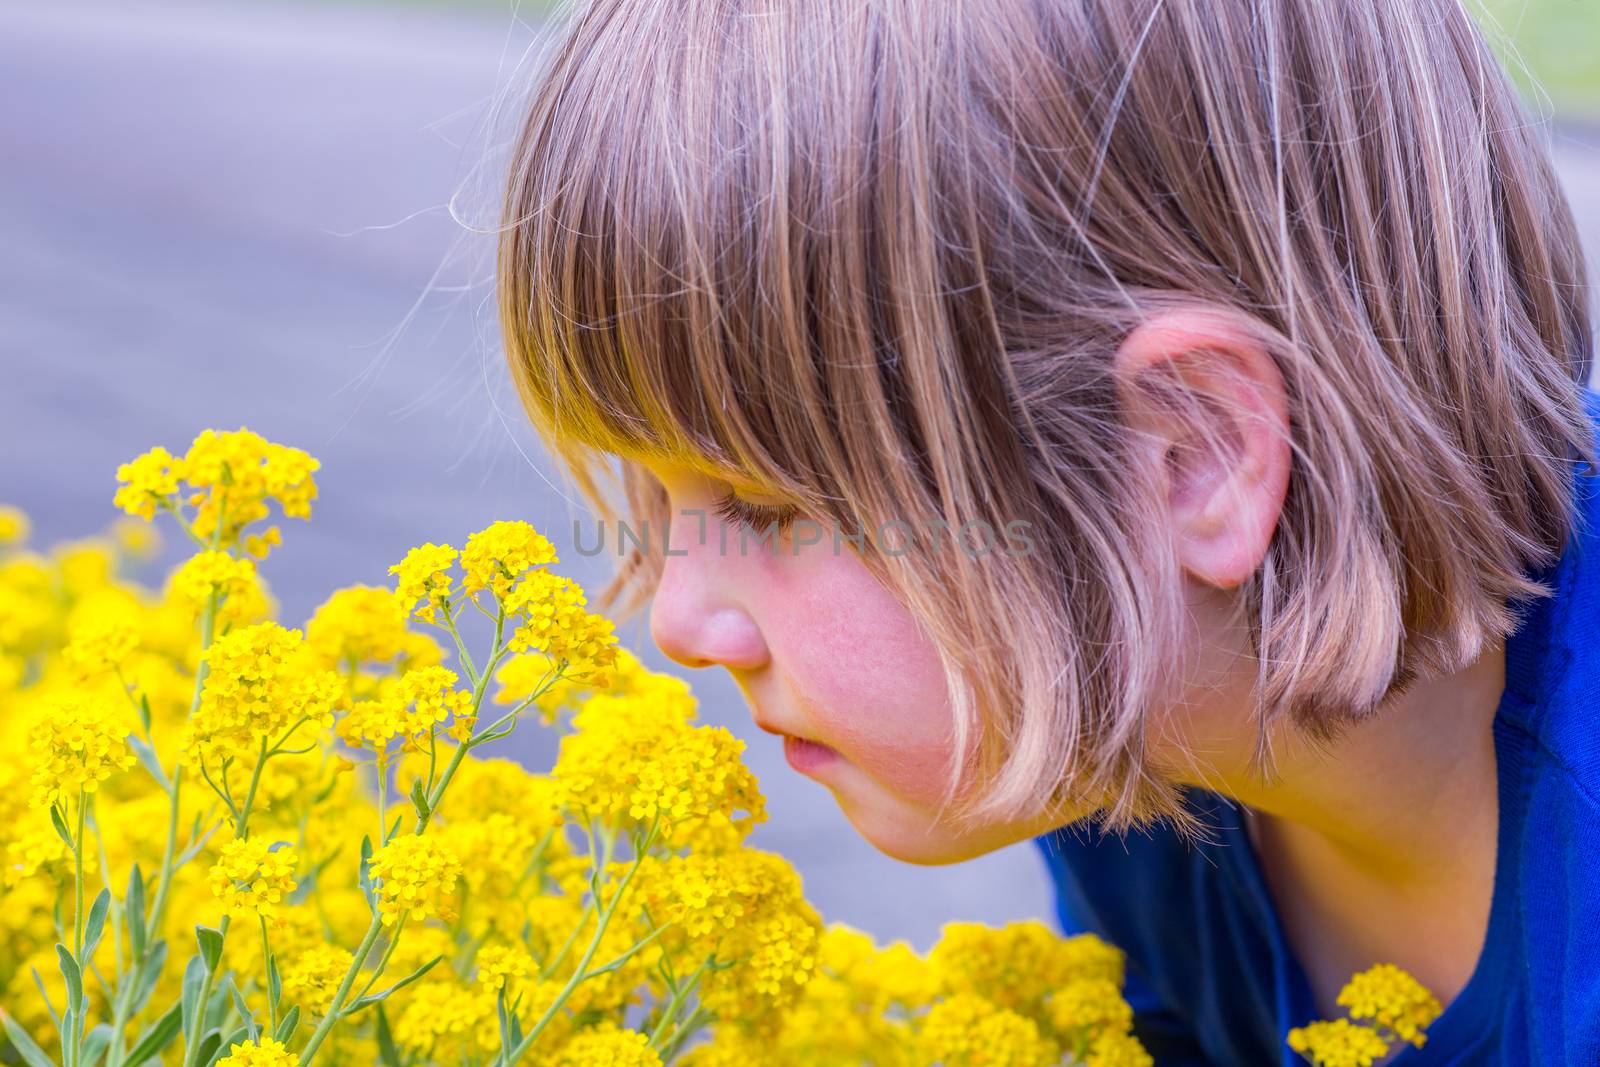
(498, 965)
(136, 539)
(1339, 1043)
(424, 579)
(1118, 1050)
(496, 556)
(254, 876)
(356, 625)
(744, 907)
(242, 596)
(237, 471)
(312, 976)
(148, 482)
(1392, 999)
(259, 689)
(14, 525)
(551, 620)
(408, 710)
(100, 644)
(1091, 1006)
(608, 1045)
(1018, 965)
(463, 1018)
(264, 1052)
(258, 545)
(75, 744)
(966, 1030)
(414, 874)
(633, 763)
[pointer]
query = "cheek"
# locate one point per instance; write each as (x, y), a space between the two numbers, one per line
(862, 671)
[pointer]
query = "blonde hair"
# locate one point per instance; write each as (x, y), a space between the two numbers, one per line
(877, 257)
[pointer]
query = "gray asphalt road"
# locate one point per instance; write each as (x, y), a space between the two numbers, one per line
(230, 214)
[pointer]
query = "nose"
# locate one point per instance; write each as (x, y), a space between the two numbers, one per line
(699, 616)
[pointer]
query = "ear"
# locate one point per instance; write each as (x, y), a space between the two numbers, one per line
(1209, 414)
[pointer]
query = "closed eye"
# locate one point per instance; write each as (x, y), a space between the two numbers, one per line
(755, 517)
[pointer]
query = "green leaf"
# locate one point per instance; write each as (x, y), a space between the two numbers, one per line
(149, 977)
(388, 1054)
(373, 998)
(366, 873)
(31, 1053)
(274, 983)
(156, 1038)
(134, 907)
(95, 1043)
(196, 844)
(302, 890)
(74, 976)
(38, 981)
(96, 924)
(287, 1024)
(210, 1045)
(60, 824)
(210, 945)
(223, 1045)
(194, 977)
(241, 1007)
(419, 797)
(151, 761)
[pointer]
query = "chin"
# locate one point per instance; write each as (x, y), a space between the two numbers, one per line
(911, 840)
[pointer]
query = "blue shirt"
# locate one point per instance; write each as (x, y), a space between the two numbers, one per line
(1211, 976)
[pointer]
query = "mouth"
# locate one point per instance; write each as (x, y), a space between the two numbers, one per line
(803, 754)
(807, 757)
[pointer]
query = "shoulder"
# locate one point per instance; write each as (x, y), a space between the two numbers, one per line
(1553, 660)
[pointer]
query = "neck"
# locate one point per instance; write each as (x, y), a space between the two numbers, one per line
(1386, 793)
(1380, 845)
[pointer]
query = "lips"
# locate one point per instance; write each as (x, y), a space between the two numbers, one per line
(806, 756)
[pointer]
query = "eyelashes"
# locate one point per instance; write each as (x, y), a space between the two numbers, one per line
(755, 517)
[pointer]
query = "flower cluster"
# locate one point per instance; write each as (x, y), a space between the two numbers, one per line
(254, 877)
(965, 1030)
(423, 580)
(413, 707)
(316, 822)
(230, 477)
(414, 875)
(312, 975)
(1386, 1006)
(500, 554)
(634, 762)
(259, 690)
(266, 1052)
(75, 744)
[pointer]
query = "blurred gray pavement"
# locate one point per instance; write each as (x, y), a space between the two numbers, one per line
(233, 213)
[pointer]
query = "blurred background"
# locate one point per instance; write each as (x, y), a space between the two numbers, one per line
(268, 213)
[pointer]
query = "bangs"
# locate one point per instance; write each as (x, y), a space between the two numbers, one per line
(665, 265)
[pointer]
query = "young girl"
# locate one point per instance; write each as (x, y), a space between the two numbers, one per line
(1152, 426)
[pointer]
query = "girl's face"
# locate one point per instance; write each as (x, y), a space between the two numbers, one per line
(827, 658)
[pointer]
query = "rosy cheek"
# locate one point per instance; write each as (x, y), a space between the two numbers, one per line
(864, 674)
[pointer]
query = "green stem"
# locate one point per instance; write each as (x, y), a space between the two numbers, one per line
(191, 1053)
(670, 1012)
(579, 973)
(361, 953)
(383, 961)
(242, 830)
(74, 1036)
(692, 1022)
(266, 958)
